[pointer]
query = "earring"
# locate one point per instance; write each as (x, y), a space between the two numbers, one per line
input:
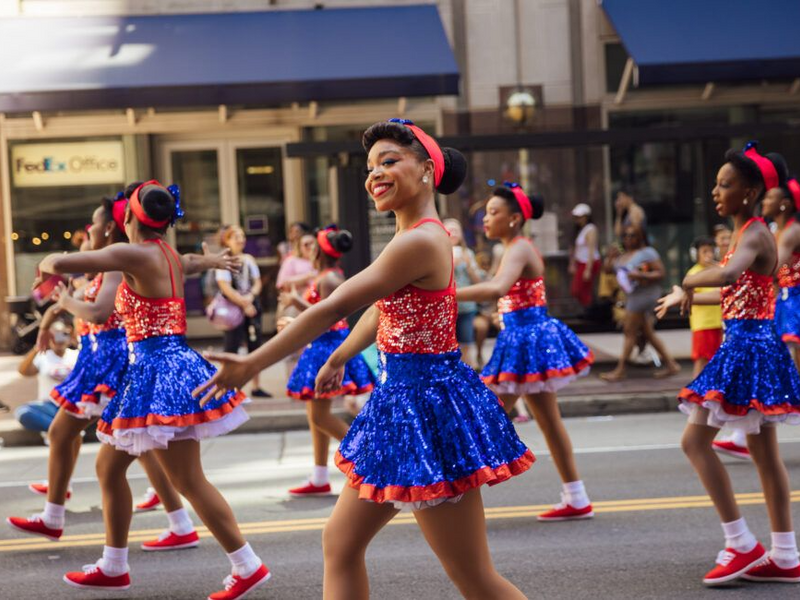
(106, 234)
(745, 202)
(783, 208)
(424, 179)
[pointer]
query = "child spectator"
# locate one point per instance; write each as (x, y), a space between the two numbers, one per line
(704, 321)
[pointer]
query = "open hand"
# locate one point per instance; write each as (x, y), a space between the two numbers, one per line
(233, 373)
(674, 298)
(223, 259)
(329, 379)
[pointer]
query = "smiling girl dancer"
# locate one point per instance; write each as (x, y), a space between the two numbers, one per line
(155, 409)
(535, 354)
(97, 377)
(432, 433)
(357, 380)
(751, 383)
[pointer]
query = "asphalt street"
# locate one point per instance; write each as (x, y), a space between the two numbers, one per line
(654, 536)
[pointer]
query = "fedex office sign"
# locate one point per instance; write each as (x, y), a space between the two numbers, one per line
(74, 163)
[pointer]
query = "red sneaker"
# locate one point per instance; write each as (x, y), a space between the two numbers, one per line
(92, 577)
(565, 512)
(236, 587)
(35, 525)
(769, 572)
(172, 541)
(732, 564)
(150, 502)
(731, 449)
(310, 489)
(41, 489)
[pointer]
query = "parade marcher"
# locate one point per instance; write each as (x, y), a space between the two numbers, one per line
(357, 380)
(154, 409)
(751, 383)
(535, 355)
(95, 380)
(432, 433)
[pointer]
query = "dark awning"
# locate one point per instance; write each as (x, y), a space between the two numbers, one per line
(264, 58)
(700, 41)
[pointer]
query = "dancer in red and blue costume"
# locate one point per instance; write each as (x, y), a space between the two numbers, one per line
(751, 382)
(432, 433)
(154, 410)
(97, 377)
(358, 379)
(782, 205)
(535, 355)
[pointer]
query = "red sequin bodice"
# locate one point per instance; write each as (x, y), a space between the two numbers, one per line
(417, 321)
(312, 296)
(525, 293)
(81, 327)
(789, 275)
(751, 297)
(150, 317)
(114, 320)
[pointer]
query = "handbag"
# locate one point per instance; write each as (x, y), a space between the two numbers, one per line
(224, 314)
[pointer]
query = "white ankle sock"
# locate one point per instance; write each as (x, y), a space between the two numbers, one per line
(244, 561)
(738, 437)
(319, 476)
(784, 550)
(180, 522)
(53, 515)
(576, 494)
(114, 561)
(738, 536)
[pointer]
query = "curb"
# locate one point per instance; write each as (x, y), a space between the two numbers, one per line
(603, 405)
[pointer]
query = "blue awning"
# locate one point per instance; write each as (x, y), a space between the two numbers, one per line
(257, 58)
(699, 41)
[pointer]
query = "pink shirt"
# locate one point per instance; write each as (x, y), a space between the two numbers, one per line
(292, 267)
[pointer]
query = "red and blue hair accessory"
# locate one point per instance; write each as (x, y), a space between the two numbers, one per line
(431, 147)
(522, 199)
(794, 190)
(138, 210)
(768, 172)
(325, 243)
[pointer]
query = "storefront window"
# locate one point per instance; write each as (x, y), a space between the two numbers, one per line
(261, 205)
(197, 174)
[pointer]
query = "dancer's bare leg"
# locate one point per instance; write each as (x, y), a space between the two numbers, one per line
(320, 440)
(544, 407)
(320, 415)
(65, 444)
(158, 479)
(774, 477)
(112, 468)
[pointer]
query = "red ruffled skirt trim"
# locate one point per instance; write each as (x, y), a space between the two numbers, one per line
(738, 410)
(345, 390)
(574, 370)
(63, 402)
(443, 489)
(790, 338)
(206, 416)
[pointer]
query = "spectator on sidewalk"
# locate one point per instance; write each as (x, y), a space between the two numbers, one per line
(705, 321)
(584, 262)
(51, 367)
(639, 271)
(629, 214)
(291, 245)
(722, 239)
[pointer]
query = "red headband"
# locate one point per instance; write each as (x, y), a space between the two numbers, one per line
(136, 207)
(768, 172)
(522, 199)
(431, 147)
(118, 213)
(325, 244)
(794, 188)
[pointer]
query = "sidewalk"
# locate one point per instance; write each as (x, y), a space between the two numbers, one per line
(588, 396)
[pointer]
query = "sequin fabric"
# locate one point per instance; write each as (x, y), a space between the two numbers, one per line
(789, 275)
(525, 293)
(114, 320)
(358, 378)
(81, 327)
(413, 320)
(312, 296)
(752, 296)
(430, 432)
(155, 405)
(787, 314)
(150, 317)
(535, 353)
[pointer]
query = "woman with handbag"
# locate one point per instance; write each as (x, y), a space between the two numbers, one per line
(238, 299)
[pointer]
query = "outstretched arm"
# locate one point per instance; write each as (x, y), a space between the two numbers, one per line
(197, 263)
(743, 258)
(94, 312)
(116, 257)
(514, 261)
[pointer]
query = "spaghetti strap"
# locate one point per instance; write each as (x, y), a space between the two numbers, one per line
(161, 244)
(430, 220)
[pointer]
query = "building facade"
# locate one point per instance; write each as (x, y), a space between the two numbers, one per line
(547, 96)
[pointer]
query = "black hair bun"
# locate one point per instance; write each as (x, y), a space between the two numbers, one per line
(132, 188)
(537, 204)
(780, 166)
(157, 203)
(342, 240)
(455, 171)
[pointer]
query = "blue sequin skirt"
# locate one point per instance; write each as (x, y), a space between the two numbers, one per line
(358, 378)
(155, 405)
(750, 381)
(787, 315)
(430, 432)
(535, 353)
(97, 376)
